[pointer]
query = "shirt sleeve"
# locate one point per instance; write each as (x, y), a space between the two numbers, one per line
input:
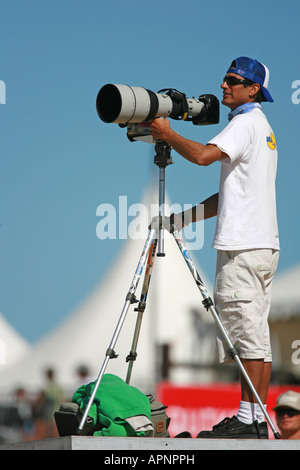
(234, 140)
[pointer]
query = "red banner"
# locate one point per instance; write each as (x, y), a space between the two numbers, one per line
(196, 408)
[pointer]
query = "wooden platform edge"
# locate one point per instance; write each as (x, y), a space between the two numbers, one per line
(110, 444)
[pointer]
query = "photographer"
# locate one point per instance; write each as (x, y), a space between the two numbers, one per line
(246, 237)
(287, 411)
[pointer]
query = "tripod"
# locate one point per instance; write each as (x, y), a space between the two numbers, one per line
(155, 237)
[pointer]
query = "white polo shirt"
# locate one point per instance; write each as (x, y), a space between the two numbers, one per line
(247, 202)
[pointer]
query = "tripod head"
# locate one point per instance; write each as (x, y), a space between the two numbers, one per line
(163, 154)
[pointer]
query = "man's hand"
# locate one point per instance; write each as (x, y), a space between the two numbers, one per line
(172, 223)
(161, 222)
(160, 129)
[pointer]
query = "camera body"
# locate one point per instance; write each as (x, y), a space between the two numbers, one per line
(136, 107)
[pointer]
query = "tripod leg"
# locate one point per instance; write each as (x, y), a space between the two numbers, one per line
(161, 210)
(208, 304)
(140, 309)
(130, 298)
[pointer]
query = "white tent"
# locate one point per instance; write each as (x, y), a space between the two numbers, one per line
(286, 294)
(85, 335)
(12, 345)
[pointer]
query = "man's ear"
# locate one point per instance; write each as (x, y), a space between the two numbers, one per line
(254, 89)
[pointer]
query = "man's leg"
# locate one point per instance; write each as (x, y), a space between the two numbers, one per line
(259, 373)
(250, 420)
(242, 298)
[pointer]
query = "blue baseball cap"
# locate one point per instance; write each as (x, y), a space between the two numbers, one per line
(254, 71)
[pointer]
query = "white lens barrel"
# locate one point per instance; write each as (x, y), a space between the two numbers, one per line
(122, 104)
(195, 106)
(126, 110)
(142, 105)
(165, 105)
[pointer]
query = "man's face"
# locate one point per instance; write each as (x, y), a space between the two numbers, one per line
(236, 95)
(288, 424)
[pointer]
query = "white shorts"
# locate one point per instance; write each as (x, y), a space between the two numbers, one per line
(242, 297)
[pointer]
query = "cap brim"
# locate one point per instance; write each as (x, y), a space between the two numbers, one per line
(267, 95)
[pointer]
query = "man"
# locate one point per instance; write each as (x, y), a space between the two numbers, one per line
(288, 414)
(246, 232)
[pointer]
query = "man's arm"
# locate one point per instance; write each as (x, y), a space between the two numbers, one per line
(195, 152)
(194, 215)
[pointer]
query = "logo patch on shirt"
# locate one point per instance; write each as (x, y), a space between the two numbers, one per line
(271, 142)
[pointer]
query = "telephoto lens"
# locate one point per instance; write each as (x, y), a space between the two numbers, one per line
(123, 104)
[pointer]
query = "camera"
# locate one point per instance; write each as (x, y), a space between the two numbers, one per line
(136, 107)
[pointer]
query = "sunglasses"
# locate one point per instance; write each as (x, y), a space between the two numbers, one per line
(232, 81)
(286, 411)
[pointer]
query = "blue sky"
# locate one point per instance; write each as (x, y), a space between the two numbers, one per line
(59, 162)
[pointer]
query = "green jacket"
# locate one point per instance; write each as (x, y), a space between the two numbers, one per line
(113, 403)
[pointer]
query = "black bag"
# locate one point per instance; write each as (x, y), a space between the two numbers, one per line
(68, 418)
(159, 418)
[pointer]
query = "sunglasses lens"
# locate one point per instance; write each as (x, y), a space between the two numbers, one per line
(231, 81)
(287, 411)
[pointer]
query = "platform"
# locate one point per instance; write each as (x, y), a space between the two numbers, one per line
(169, 445)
